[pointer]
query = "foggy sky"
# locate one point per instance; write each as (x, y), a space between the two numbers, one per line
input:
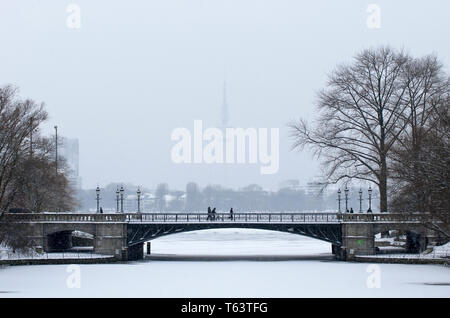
(136, 70)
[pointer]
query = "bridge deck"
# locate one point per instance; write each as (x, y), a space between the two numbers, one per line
(158, 218)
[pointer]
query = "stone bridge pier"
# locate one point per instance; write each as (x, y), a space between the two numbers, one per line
(359, 238)
(111, 239)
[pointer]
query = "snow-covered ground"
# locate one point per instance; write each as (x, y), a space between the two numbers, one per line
(7, 253)
(442, 251)
(304, 278)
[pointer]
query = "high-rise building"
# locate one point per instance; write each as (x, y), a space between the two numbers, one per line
(69, 150)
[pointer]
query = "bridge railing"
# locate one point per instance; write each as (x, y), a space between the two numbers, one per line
(63, 217)
(236, 217)
(219, 217)
(382, 217)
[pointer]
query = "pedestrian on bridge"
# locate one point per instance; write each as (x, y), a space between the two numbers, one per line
(209, 214)
(213, 214)
(231, 213)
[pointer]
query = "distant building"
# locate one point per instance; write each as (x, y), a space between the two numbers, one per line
(292, 184)
(69, 150)
(314, 188)
(147, 202)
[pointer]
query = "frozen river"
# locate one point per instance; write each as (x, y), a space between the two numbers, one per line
(292, 266)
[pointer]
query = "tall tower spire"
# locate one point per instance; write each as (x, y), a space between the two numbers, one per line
(225, 124)
(224, 106)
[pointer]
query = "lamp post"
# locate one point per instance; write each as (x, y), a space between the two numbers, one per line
(97, 191)
(339, 200)
(56, 149)
(121, 198)
(346, 199)
(56, 164)
(117, 199)
(139, 200)
(31, 137)
(360, 200)
(370, 200)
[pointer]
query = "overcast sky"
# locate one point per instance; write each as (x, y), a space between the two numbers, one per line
(136, 70)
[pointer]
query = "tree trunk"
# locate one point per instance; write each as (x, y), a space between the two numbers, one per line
(383, 187)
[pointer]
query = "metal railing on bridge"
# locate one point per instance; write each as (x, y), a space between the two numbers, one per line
(64, 217)
(288, 217)
(236, 218)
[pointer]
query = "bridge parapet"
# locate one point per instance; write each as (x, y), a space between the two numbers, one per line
(236, 218)
(317, 217)
(64, 217)
(384, 217)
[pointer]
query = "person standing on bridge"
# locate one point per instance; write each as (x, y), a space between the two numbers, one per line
(231, 213)
(209, 213)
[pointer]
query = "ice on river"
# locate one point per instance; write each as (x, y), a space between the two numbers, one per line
(295, 278)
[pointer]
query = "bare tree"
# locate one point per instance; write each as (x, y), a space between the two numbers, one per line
(37, 187)
(420, 159)
(27, 167)
(18, 119)
(361, 116)
(422, 175)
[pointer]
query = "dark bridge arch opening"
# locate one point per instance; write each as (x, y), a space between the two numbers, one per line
(69, 240)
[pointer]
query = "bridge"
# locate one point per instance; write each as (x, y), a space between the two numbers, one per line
(123, 234)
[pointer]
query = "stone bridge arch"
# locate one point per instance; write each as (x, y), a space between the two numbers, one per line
(57, 237)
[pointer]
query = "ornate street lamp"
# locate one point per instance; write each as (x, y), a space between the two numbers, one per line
(339, 200)
(346, 199)
(121, 198)
(139, 200)
(97, 191)
(360, 200)
(370, 200)
(117, 199)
